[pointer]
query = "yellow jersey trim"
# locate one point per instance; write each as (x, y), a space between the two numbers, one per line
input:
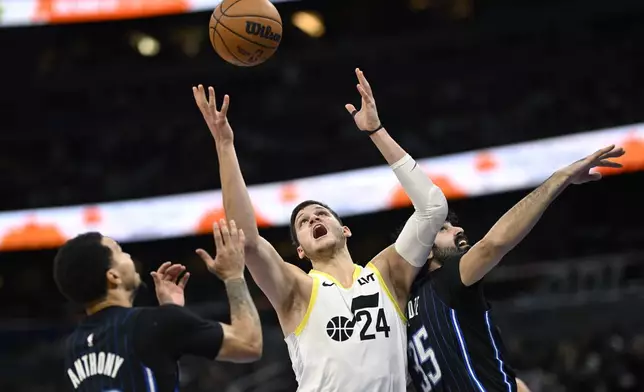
(356, 273)
(384, 287)
(309, 309)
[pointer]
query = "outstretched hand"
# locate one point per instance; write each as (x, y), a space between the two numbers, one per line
(367, 117)
(229, 243)
(579, 172)
(168, 287)
(215, 119)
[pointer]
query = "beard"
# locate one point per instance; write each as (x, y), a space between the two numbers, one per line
(442, 255)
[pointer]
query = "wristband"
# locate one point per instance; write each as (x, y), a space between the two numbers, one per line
(368, 132)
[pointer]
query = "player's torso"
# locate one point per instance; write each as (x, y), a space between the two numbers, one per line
(351, 339)
(450, 350)
(100, 356)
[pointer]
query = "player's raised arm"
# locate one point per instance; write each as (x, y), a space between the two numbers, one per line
(277, 279)
(415, 242)
(515, 224)
(242, 339)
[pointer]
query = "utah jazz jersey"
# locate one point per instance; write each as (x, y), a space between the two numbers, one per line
(100, 356)
(351, 339)
(453, 345)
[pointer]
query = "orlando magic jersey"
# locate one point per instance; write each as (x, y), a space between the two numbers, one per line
(453, 344)
(100, 355)
(351, 339)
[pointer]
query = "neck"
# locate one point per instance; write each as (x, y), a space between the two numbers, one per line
(433, 265)
(122, 300)
(339, 265)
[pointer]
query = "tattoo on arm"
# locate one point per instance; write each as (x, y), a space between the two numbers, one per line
(242, 307)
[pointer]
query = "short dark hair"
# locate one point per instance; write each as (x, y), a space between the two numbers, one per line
(80, 268)
(452, 218)
(302, 206)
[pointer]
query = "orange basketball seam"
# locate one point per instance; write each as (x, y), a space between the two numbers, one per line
(228, 49)
(223, 11)
(214, 28)
(242, 37)
(212, 38)
(253, 16)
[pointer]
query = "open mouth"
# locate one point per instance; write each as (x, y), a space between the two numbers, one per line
(319, 231)
(461, 241)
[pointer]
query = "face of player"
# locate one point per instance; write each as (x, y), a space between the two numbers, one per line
(319, 233)
(123, 273)
(450, 241)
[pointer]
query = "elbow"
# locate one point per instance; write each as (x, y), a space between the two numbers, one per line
(436, 208)
(251, 246)
(253, 350)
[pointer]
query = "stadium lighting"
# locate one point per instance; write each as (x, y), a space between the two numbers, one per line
(309, 22)
(146, 45)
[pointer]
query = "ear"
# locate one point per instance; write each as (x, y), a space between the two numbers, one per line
(300, 253)
(346, 232)
(113, 277)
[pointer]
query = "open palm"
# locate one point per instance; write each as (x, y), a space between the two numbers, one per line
(580, 171)
(168, 289)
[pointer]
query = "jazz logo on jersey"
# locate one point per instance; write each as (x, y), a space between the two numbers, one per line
(92, 364)
(341, 328)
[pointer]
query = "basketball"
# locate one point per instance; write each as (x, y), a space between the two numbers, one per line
(245, 32)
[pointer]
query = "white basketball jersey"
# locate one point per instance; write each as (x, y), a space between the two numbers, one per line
(350, 339)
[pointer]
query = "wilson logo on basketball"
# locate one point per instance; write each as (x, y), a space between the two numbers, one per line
(254, 28)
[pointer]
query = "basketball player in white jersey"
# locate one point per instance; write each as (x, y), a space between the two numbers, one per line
(343, 323)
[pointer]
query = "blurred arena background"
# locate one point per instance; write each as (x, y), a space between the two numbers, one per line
(98, 111)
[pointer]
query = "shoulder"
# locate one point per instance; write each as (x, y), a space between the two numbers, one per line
(165, 317)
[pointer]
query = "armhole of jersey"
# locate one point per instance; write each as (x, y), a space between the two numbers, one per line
(314, 296)
(372, 267)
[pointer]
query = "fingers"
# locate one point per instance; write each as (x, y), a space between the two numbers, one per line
(242, 237)
(602, 151)
(607, 163)
(209, 103)
(224, 106)
(173, 272)
(163, 268)
(205, 257)
(219, 242)
(156, 278)
(212, 101)
(594, 176)
(184, 281)
(225, 232)
(197, 92)
(234, 233)
(350, 108)
(365, 96)
(363, 81)
(613, 153)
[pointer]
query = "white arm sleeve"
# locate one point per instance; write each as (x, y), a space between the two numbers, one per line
(417, 237)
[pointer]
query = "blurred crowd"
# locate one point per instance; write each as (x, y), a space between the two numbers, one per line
(86, 119)
(112, 125)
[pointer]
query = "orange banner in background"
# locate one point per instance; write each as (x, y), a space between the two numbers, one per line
(62, 11)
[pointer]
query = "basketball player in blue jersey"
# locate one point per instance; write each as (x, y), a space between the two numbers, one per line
(119, 348)
(343, 324)
(453, 343)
